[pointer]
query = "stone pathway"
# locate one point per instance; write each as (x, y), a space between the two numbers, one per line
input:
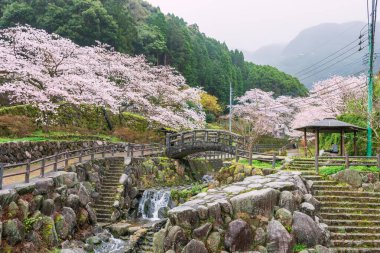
(353, 217)
(108, 191)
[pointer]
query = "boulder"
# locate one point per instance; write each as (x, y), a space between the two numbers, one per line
(310, 199)
(306, 230)
(84, 195)
(44, 186)
(24, 208)
(73, 202)
(65, 222)
(351, 177)
(13, 210)
(279, 240)
(82, 217)
(256, 202)
(308, 209)
(47, 207)
(48, 232)
(239, 236)
(321, 249)
(260, 236)
(213, 242)
(158, 241)
(25, 188)
(202, 232)
(284, 216)
(91, 214)
(7, 196)
(119, 229)
(376, 186)
(195, 246)
(176, 239)
(300, 184)
(13, 231)
(184, 216)
(287, 201)
(202, 212)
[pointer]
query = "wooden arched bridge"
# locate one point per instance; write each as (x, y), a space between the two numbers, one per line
(180, 145)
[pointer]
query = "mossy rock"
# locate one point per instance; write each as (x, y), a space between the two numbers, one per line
(48, 232)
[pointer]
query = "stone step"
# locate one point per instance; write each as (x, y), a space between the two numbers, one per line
(343, 204)
(347, 193)
(312, 177)
(350, 216)
(324, 182)
(110, 183)
(331, 188)
(349, 210)
(350, 199)
(354, 250)
(354, 236)
(102, 206)
(107, 198)
(354, 229)
(364, 223)
(355, 243)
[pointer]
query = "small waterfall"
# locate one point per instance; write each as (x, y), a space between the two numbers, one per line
(154, 204)
(112, 246)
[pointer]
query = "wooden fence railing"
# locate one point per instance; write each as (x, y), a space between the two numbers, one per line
(60, 161)
(347, 161)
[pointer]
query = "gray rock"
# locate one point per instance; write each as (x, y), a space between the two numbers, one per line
(47, 207)
(202, 232)
(48, 231)
(44, 186)
(308, 209)
(13, 231)
(176, 239)
(239, 236)
(321, 249)
(91, 214)
(260, 236)
(24, 208)
(284, 216)
(26, 188)
(7, 196)
(352, 177)
(202, 212)
(73, 202)
(256, 202)
(65, 223)
(36, 203)
(279, 240)
(195, 246)
(158, 241)
(93, 240)
(310, 199)
(306, 230)
(282, 186)
(376, 186)
(13, 210)
(213, 242)
(119, 229)
(123, 179)
(287, 201)
(184, 216)
(84, 195)
(368, 187)
(300, 184)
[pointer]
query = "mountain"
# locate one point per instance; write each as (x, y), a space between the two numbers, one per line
(137, 28)
(316, 43)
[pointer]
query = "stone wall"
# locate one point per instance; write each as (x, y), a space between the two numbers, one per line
(368, 181)
(14, 152)
(49, 211)
(261, 213)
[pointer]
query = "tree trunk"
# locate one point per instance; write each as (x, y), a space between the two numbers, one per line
(250, 151)
(108, 121)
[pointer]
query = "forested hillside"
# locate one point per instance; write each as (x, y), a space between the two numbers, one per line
(135, 27)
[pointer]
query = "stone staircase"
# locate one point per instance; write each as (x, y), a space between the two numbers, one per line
(353, 217)
(145, 244)
(111, 178)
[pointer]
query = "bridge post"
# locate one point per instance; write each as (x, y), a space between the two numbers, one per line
(1, 175)
(274, 161)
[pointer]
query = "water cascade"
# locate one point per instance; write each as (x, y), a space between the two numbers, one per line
(154, 204)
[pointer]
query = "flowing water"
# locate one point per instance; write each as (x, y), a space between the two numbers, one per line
(112, 246)
(154, 203)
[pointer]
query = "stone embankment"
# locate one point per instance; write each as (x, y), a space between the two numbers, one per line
(271, 213)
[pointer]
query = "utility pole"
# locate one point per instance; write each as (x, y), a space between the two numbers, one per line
(230, 119)
(371, 42)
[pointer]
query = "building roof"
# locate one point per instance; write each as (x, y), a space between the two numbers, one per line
(330, 125)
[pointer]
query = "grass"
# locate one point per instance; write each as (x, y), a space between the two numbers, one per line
(299, 247)
(59, 135)
(329, 170)
(260, 164)
(187, 193)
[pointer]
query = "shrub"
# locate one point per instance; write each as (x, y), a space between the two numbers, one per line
(20, 110)
(135, 121)
(131, 135)
(16, 126)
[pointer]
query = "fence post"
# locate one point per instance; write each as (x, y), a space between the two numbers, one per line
(27, 174)
(113, 150)
(55, 167)
(142, 150)
(347, 163)
(236, 154)
(378, 160)
(93, 153)
(66, 159)
(104, 150)
(42, 167)
(316, 164)
(274, 161)
(81, 156)
(1, 175)
(131, 150)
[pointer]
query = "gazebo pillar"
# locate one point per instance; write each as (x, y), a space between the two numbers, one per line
(305, 141)
(342, 142)
(317, 143)
(355, 144)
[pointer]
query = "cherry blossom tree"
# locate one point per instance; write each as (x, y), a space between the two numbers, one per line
(47, 71)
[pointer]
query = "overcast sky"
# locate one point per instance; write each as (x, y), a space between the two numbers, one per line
(250, 24)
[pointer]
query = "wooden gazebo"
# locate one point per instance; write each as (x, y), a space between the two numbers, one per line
(330, 125)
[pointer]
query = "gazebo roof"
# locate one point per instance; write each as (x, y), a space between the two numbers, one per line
(330, 125)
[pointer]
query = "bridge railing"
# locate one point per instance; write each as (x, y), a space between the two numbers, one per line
(60, 161)
(347, 161)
